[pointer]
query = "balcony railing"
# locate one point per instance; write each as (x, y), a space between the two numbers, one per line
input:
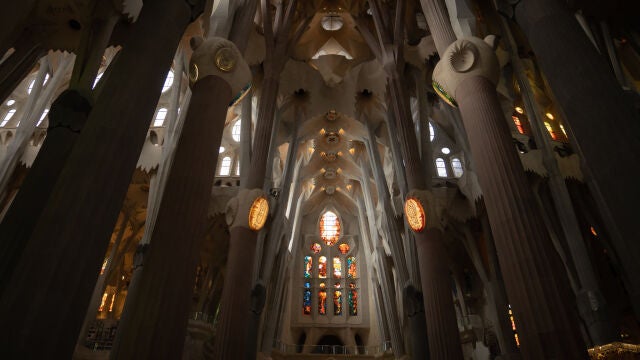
(332, 349)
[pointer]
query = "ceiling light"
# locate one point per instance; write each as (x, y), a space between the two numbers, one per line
(519, 110)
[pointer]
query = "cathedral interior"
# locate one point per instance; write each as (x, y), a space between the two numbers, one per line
(319, 179)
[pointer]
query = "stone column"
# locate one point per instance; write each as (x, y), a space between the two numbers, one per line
(594, 106)
(443, 337)
(536, 284)
(165, 282)
(437, 16)
(51, 281)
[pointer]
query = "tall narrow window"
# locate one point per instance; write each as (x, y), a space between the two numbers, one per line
(238, 168)
(8, 117)
(337, 268)
(456, 165)
(168, 81)
(337, 301)
(550, 130)
(31, 85)
(322, 299)
(432, 133)
(43, 116)
(308, 265)
(352, 271)
(306, 299)
(322, 267)
(160, 116)
(225, 166)
(353, 299)
(97, 80)
(235, 131)
(440, 166)
(516, 120)
(329, 228)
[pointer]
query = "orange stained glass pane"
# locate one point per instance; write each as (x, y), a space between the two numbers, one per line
(329, 228)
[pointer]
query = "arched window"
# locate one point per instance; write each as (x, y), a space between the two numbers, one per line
(97, 80)
(225, 166)
(432, 133)
(30, 87)
(550, 130)
(8, 117)
(329, 228)
(168, 81)
(518, 123)
(441, 167)
(456, 165)
(235, 131)
(43, 116)
(160, 116)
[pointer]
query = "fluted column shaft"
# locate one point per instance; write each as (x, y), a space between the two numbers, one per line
(444, 338)
(535, 282)
(85, 202)
(164, 288)
(231, 333)
(594, 104)
(442, 326)
(437, 16)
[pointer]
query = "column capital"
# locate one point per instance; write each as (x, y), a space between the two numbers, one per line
(465, 58)
(219, 57)
(248, 209)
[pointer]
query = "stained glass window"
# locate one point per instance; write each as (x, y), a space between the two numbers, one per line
(440, 166)
(329, 228)
(322, 300)
(308, 263)
(225, 166)
(456, 165)
(316, 248)
(306, 301)
(322, 267)
(160, 116)
(516, 120)
(337, 302)
(344, 248)
(235, 131)
(550, 130)
(168, 81)
(337, 268)
(353, 299)
(352, 272)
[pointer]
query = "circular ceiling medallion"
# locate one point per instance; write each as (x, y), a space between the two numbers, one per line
(316, 247)
(332, 115)
(330, 173)
(258, 213)
(332, 138)
(330, 190)
(225, 59)
(414, 212)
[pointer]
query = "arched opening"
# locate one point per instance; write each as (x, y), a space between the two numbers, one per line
(300, 344)
(329, 344)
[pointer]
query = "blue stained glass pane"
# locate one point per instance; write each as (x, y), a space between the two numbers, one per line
(306, 302)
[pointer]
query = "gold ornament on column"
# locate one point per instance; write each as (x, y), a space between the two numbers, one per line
(258, 213)
(225, 59)
(415, 214)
